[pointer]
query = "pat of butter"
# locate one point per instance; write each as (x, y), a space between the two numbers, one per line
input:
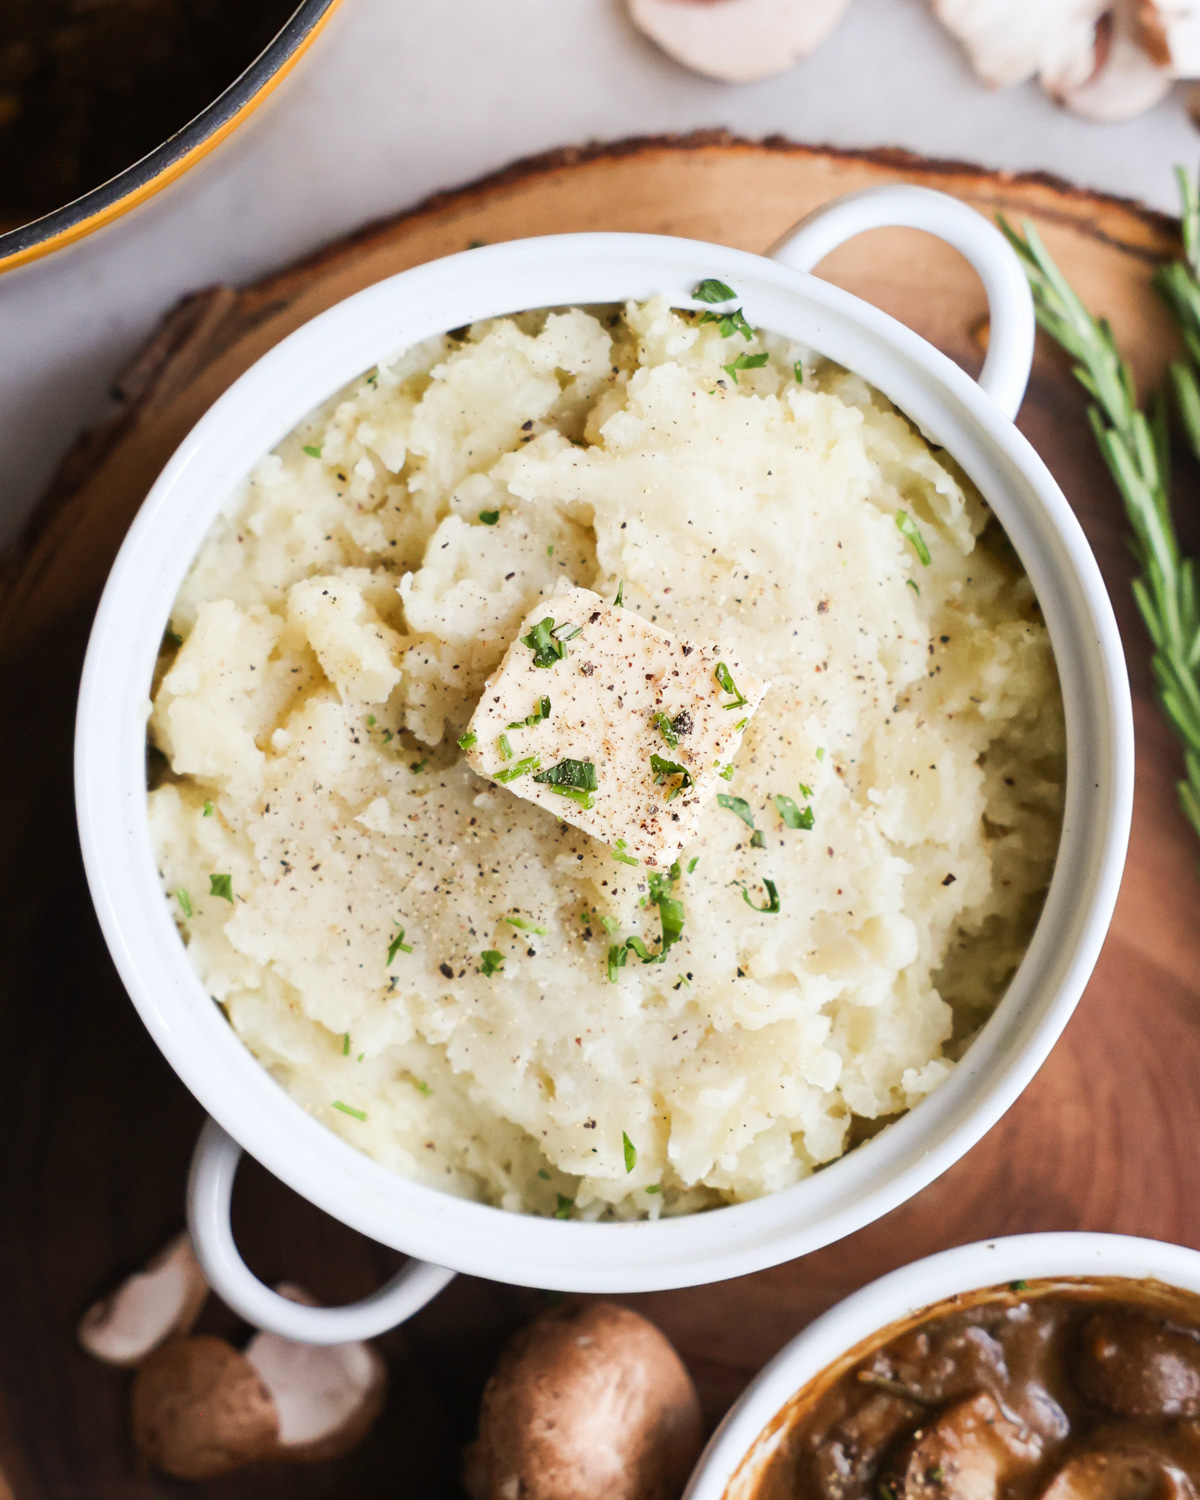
(619, 692)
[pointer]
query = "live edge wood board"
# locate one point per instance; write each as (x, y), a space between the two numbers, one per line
(97, 1130)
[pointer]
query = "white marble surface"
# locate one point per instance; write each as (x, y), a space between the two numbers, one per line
(402, 97)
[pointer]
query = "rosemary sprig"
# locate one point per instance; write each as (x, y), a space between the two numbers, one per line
(1134, 446)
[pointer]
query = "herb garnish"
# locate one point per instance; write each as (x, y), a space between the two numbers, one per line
(821, 753)
(661, 768)
(908, 528)
(737, 805)
(565, 1205)
(726, 772)
(221, 885)
(620, 599)
(667, 730)
(630, 1154)
(693, 862)
(772, 898)
(620, 855)
(465, 741)
(489, 517)
(397, 945)
(185, 902)
(745, 362)
(725, 678)
(670, 909)
(543, 1174)
(712, 290)
(730, 322)
(346, 1110)
(491, 961)
(571, 778)
(913, 584)
(798, 372)
(655, 1187)
(506, 750)
(540, 640)
(541, 712)
(313, 452)
(758, 839)
(208, 810)
(518, 768)
(522, 925)
(345, 1044)
(793, 816)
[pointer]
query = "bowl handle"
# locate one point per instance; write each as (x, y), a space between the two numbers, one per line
(1005, 372)
(210, 1187)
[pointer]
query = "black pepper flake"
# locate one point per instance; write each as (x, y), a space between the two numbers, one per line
(682, 722)
(823, 607)
(949, 880)
(446, 971)
(687, 650)
(527, 426)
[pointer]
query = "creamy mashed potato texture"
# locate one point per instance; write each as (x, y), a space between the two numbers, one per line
(424, 960)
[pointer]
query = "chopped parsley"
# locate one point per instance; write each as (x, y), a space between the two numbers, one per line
(346, 1110)
(345, 1044)
(418, 766)
(913, 584)
(541, 712)
(798, 372)
(693, 862)
(758, 840)
(737, 805)
(543, 1174)
(711, 290)
(667, 730)
(465, 741)
(726, 772)
(547, 648)
(730, 323)
(571, 778)
(620, 599)
(421, 1086)
(370, 721)
(617, 955)
(621, 855)
(518, 768)
(185, 902)
(506, 750)
(725, 678)
(654, 1187)
(491, 961)
(208, 809)
(805, 791)
(397, 944)
(908, 528)
(630, 1154)
(821, 753)
(793, 816)
(1017, 1286)
(523, 926)
(313, 452)
(745, 362)
(661, 768)
(489, 517)
(565, 1205)
(772, 898)
(222, 886)
(670, 909)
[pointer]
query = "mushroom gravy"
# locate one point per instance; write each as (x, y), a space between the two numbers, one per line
(1064, 1390)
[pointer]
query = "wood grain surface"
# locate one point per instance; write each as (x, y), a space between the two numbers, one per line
(97, 1130)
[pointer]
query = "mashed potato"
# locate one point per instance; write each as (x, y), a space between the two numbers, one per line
(420, 957)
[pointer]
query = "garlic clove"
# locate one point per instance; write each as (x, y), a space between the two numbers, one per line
(148, 1308)
(737, 41)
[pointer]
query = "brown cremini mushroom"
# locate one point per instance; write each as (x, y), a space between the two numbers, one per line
(201, 1408)
(587, 1400)
(737, 41)
(150, 1307)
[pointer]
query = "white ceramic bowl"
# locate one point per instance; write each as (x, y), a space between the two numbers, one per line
(972, 421)
(741, 1447)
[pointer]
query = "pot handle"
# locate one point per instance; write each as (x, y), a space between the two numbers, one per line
(210, 1187)
(1005, 372)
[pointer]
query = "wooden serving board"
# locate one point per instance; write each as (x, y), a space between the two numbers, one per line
(97, 1130)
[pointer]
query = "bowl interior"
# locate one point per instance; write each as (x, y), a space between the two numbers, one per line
(260, 409)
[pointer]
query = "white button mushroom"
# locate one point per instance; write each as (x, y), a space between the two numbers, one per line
(738, 40)
(148, 1308)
